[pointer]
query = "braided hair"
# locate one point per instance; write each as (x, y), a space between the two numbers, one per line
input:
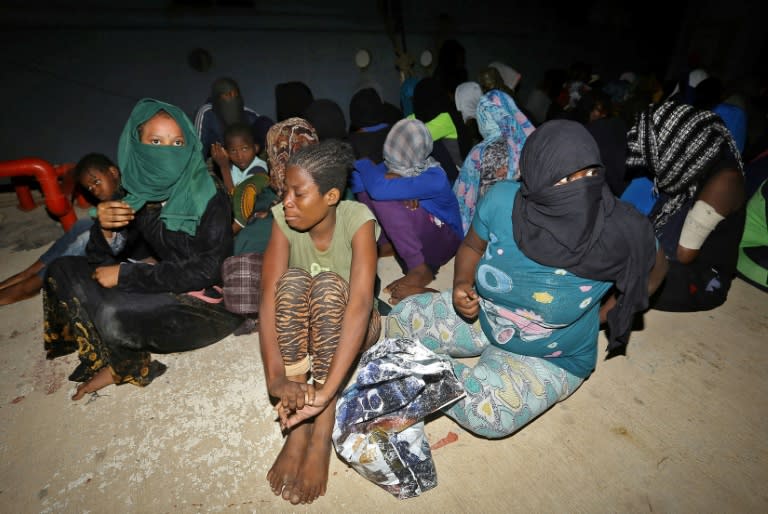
(328, 162)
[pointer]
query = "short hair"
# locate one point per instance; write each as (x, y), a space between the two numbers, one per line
(328, 162)
(92, 161)
(239, 129)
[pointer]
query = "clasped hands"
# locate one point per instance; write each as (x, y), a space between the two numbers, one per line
(297, 401)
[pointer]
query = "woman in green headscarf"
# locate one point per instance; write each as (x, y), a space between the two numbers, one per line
(115, 313)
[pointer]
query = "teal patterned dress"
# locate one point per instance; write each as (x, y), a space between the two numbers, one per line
(536, 334)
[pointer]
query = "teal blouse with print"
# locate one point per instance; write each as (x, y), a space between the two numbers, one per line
(528, 308)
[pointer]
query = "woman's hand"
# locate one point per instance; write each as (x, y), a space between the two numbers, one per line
(292, 395)
(290, 419)
(114, 214)
(466, 300)
(107, 276)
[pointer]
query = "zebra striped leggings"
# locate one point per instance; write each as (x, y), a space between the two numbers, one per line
(308, 317)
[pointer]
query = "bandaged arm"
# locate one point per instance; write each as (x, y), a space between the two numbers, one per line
(722, 195)
(700, 222)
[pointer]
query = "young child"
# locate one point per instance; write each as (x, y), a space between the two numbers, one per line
(244, 174)
(99, 176)
(316, 310)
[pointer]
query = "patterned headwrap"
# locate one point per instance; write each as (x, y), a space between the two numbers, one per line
(499, 116)
(176, 175)
(407, 148)
(283, 140)
(677, 144)
(493, 164)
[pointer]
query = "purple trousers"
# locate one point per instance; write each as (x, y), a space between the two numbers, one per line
(416, 237)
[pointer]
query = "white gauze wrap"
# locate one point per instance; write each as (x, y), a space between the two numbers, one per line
(699, 223)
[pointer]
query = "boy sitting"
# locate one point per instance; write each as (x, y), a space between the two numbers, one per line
(244, 174)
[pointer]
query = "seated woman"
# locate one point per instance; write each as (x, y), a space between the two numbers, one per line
(114, 314)
(528, 281)
(99, 176)
(504, 128)
(316, 310)
(411, 197)
(699, 214)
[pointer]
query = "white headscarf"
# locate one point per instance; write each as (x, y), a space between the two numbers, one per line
(467, 95)
(509, 75)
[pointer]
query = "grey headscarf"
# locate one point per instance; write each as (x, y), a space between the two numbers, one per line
(407, 148)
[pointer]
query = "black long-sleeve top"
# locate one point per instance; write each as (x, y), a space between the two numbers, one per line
(185, 263)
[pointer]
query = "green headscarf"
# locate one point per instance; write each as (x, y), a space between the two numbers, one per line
(174, 174)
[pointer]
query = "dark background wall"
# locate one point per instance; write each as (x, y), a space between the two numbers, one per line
(71, 72)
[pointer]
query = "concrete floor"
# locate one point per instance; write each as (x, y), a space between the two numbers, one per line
(679, 425)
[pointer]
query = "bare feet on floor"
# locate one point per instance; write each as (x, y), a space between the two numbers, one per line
(414, 282)
(100, 380)
(285, 469)
(312, 480)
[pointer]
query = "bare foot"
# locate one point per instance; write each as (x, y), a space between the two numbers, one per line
(312, 480)
(401, 291)
(286, 466)
(420, 276)
(100, 380)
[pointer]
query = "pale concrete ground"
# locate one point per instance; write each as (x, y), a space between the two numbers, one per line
(679, 425)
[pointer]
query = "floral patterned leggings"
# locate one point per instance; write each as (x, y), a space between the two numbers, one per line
(504, 390)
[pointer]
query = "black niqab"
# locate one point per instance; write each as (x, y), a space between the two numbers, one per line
(580, 226)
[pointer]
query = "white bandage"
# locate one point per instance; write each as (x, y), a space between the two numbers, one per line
(699, 223)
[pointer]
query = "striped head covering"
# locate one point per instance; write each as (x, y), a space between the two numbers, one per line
(283, 140)
(677, 144)
(407, 148)
(499, 116)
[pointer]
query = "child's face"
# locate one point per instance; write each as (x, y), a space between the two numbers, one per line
(162, 130)
(303, 204)
(241, 151)
(101, 184)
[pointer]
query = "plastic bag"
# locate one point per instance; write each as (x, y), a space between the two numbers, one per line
(379, 427)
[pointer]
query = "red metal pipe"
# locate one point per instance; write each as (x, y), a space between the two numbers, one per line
(71, 189)
(56, 202)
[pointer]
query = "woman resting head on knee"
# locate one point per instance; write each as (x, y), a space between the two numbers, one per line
(529, 279)
(317, 310)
